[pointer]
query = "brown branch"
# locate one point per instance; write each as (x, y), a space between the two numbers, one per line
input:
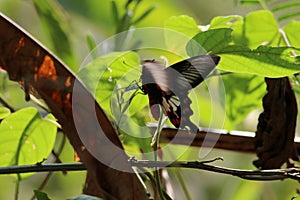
(259, 175)
(215, 138)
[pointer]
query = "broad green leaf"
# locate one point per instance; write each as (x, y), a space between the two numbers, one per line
(260, 27)
(26, 137)
(243, 95)
(183, 24)
(41, 195)
(292, 30)
(263, 61)
(209, 41)
(55, 24)
(183, 29)
(4, 112)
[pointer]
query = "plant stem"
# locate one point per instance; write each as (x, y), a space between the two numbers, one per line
(155, 145)
(17, 188)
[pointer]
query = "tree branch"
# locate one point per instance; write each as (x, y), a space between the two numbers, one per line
(42, 168)
(240, 141)
(260, 175)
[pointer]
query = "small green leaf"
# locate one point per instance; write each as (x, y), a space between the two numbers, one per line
(4, 112)
(41, 195)
(114, 11)
(25, 133)
(225, 21)
(92, 46)
(209, 41)
(263, 61)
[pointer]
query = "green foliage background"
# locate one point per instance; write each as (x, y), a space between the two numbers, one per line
(64, 26)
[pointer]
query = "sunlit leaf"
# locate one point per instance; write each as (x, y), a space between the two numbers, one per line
(183, 24)
(225, 21)
(25, 133)
(260, 27)
(263, 61)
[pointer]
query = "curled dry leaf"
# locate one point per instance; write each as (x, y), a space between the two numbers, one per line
(43, 75)
(274, 140)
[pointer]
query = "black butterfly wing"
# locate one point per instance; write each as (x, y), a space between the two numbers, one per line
(156, 85)
(170, 87)
(189, 73)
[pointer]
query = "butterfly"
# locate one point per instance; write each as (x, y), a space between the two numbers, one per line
(169, 87)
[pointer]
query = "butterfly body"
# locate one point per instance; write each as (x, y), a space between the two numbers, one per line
(169, 87)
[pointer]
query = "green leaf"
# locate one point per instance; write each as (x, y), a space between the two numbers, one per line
(263, 61)
(183, 24)
(178, 31)
(55, 24)
(209, 41)
(92, 46)
(41, 195)
(239, 105)
(260, 27)
(225, 21)
(4, 112)
(26, 138)
(115, 12)
(292, 30)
